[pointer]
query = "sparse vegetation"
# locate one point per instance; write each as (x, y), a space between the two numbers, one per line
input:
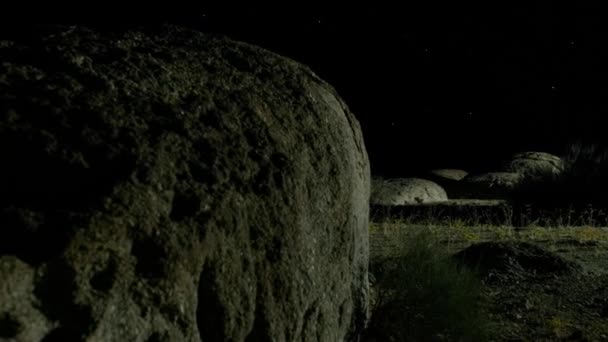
(422, 295)
(419, 292)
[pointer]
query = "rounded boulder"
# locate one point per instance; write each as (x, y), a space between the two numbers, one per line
(536, 165)
(400, 191)
(161, 184)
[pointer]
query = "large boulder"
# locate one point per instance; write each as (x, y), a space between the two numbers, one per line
(536, 165)
(166, 185)
(400, 191)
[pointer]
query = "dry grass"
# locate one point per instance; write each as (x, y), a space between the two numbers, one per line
(422, 295)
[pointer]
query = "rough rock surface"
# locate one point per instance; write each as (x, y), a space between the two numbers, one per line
(493, 185)
(399, 191)
(536, 164)
(165, 185)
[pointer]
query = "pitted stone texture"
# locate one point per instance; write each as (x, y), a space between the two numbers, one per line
(400, 191)
(165, 185)
(19, 308)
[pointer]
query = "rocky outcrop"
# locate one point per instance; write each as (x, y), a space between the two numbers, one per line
(165, 185)
(401, 191)
(536, 165)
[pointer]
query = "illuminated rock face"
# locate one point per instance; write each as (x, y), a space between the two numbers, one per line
(164, 185)
(399, 191)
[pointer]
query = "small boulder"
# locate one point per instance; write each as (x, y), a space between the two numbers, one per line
(451, 174)
(400, 191)
(536, 165)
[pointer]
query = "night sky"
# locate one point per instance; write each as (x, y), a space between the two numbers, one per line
(461, 86)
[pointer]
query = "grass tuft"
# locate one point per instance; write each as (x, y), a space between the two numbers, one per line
(422, 295)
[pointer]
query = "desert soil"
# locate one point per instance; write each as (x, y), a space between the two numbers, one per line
(529, 307)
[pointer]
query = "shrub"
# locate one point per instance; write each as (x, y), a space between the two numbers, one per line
(422, 295)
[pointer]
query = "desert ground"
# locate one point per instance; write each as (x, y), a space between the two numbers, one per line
(542, 279)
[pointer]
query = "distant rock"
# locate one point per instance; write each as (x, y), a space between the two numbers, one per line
(450, 181)
(451, 174)
(493, 185)
(536, 165)
(166, 185)
(401, 191)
